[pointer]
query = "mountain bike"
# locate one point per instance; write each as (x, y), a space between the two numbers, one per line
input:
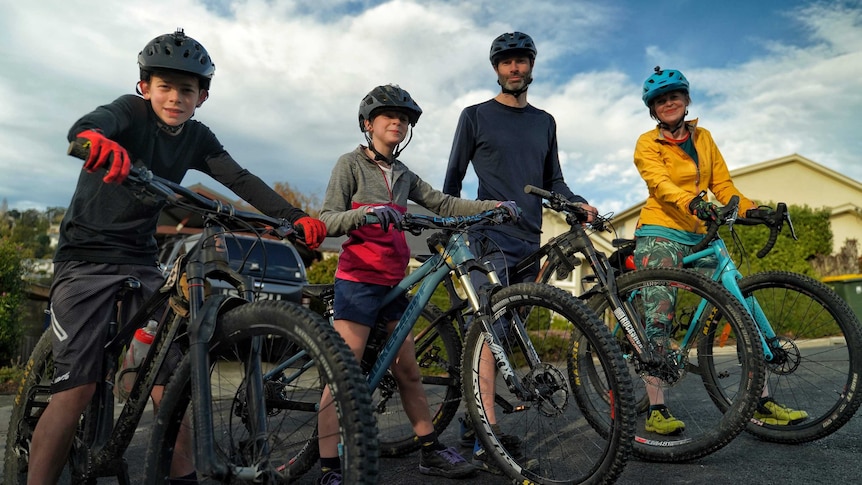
(243, 432)
(714, 352)
(811, 338)
(528, 327)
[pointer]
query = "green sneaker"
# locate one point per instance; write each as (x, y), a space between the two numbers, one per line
(770, 412)
(662, 422)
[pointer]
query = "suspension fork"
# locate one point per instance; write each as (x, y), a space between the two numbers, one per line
(480, 301)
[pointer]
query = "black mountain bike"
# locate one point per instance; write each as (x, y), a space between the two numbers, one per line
(714, 354)
(245, 429)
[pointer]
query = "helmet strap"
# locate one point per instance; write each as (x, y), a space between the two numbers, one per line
(379, 157)
(516, 92)
(676, 127)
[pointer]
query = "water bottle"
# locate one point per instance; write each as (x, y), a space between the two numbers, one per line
(138, 349)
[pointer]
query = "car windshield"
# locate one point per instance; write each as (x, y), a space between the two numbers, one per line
(271, 260)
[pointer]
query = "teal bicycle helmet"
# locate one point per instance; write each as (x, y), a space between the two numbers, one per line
(177, 52)
(512, 43)
(388, 97)
(663, 81)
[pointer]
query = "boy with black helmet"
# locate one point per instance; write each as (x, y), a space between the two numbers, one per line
(371, 180)
(511, 144)
(107, 234)
(678, 159)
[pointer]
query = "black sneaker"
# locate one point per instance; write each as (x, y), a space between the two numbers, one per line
(468, 434)
(512, 444)
(482, 461)
(445, 463)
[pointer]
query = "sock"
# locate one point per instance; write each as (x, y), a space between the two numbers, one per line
(657, 407)
(431, 443)
(330, 464)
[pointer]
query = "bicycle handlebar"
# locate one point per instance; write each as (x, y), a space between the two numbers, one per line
(416, 223)
(559, 203)
(729, 215)
(175, 194)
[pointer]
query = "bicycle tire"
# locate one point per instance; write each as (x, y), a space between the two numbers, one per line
(689, 395)
(439, 356)
(559, 446)
(818, 366)
(27, 408)
(289, 330)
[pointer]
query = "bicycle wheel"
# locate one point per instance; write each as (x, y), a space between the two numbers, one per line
(438, 352)
(30, 400)
(558, 444)
(720, 338)
(315, 356)
(817, 357)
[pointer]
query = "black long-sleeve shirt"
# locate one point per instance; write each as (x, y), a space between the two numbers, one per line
(510, 148)
(107, 223)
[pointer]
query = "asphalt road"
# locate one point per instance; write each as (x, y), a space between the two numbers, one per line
(836, 459)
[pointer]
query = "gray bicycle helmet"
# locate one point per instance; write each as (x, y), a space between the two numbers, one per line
(177, 52)
(391, 97)
(512, 43)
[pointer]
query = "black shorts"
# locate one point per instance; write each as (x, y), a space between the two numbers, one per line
(363, 303)
(82, 305)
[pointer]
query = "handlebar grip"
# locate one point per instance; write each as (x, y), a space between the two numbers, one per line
(773, 237)
(775, 224)
(531, 189)
(78, 150)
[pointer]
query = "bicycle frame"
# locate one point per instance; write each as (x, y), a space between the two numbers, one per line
(728, 275)
(451, 255)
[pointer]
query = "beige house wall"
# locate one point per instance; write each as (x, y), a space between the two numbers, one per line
(794, 180)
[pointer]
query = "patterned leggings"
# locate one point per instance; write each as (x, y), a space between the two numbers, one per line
(660, 302)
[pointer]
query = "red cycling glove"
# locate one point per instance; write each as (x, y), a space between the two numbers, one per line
(104, 151)
(314, 230)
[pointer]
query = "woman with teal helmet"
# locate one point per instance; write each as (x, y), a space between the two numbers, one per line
(679, 161)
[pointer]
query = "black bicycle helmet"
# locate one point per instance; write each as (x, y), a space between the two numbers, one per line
(389, 96)
(177, 52)
(512, 43)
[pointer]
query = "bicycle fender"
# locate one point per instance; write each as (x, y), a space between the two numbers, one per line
(202, 328)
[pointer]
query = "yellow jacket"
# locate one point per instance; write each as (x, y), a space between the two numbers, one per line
(673, 179)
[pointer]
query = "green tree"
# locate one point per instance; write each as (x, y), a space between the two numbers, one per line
(30, 232)
(322, 271)
(813, 229)
(12, 294)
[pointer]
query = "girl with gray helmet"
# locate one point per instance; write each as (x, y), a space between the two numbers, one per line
(679, 161)
(372, 180)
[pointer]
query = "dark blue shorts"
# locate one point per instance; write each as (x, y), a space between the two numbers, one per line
(362, 303)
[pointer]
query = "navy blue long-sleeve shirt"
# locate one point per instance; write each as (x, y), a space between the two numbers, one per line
(510, 147)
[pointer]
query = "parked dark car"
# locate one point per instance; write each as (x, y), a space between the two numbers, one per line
(275, 265)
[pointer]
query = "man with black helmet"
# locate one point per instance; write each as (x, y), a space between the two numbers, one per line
(107, 234)
(371, 180)
(511, 144)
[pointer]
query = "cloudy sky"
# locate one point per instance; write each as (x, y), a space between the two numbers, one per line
(769, 78)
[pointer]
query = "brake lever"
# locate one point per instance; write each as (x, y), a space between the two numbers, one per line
(786, 218)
